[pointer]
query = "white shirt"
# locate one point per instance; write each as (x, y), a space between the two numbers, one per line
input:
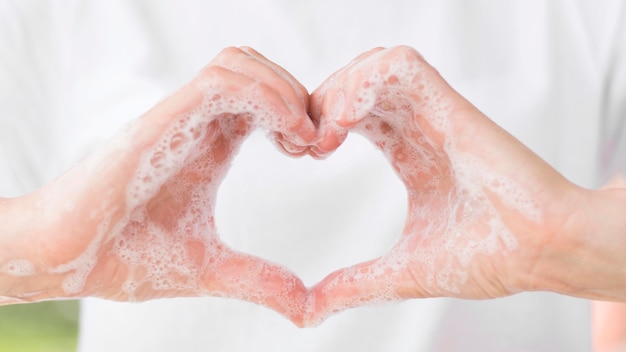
(551, 73)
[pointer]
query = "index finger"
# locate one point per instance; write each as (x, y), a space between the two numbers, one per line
(300, 90)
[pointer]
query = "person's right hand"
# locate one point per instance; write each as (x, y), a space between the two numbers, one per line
(135, 221)
(487, 217)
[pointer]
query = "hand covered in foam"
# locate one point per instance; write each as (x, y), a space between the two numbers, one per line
(486, 217)
(135, 221)
(482, 207)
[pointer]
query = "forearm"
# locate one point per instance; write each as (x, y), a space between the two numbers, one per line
(588, 258)
(23, 277)
(603, 242)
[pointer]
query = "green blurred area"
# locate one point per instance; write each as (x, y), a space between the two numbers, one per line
(39, 327)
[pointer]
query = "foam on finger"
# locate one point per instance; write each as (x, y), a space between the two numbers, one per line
(404, 107)
(180, 254)
(157, 236)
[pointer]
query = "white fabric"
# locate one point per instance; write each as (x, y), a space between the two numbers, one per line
(551, 73)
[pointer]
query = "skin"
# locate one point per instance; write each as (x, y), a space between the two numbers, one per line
(464, 236)
(194, 262)
(570, 244)
(608, 326)
(609, 318)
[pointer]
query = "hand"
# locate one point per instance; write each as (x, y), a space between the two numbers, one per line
(135, 221)
(486, 218)
(486, 215)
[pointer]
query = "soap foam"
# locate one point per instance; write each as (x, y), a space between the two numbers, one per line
(18, 267)
(451, 198)
(183, 255)
(451, 219)
(163, 255)
(78, 270)
(173, 253)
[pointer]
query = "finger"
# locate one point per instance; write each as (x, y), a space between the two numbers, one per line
(360, 92)
(279, 139)
(242, 276)
(294, 122)
(289, 148)
(336, 79)
(330, 134)
(317, 96)
(373, 282)
(255, 103)
(236, 60)
(300, 90)
(395, 85)
(327, 105)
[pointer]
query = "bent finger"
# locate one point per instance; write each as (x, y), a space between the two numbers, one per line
(297, 87)
(229, 93)
(317, 97)
(328, 104)
(267, 92)
(238, 61)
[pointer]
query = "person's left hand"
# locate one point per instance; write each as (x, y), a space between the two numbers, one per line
(487, 217)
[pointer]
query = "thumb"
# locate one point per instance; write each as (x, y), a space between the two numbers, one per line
(369, 283)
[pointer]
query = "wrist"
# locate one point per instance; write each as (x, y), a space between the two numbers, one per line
(23, 276)
(603, 244)
(586, 257)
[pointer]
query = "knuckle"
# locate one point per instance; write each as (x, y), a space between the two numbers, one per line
(249, 51)
(229, 51)
(213, 72)
(264, 88)
(376, 50)
(406, 51)
(228, 56)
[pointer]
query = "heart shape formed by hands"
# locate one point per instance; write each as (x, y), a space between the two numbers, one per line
(473, 211)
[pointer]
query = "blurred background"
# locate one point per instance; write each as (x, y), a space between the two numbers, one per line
(39, 327)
